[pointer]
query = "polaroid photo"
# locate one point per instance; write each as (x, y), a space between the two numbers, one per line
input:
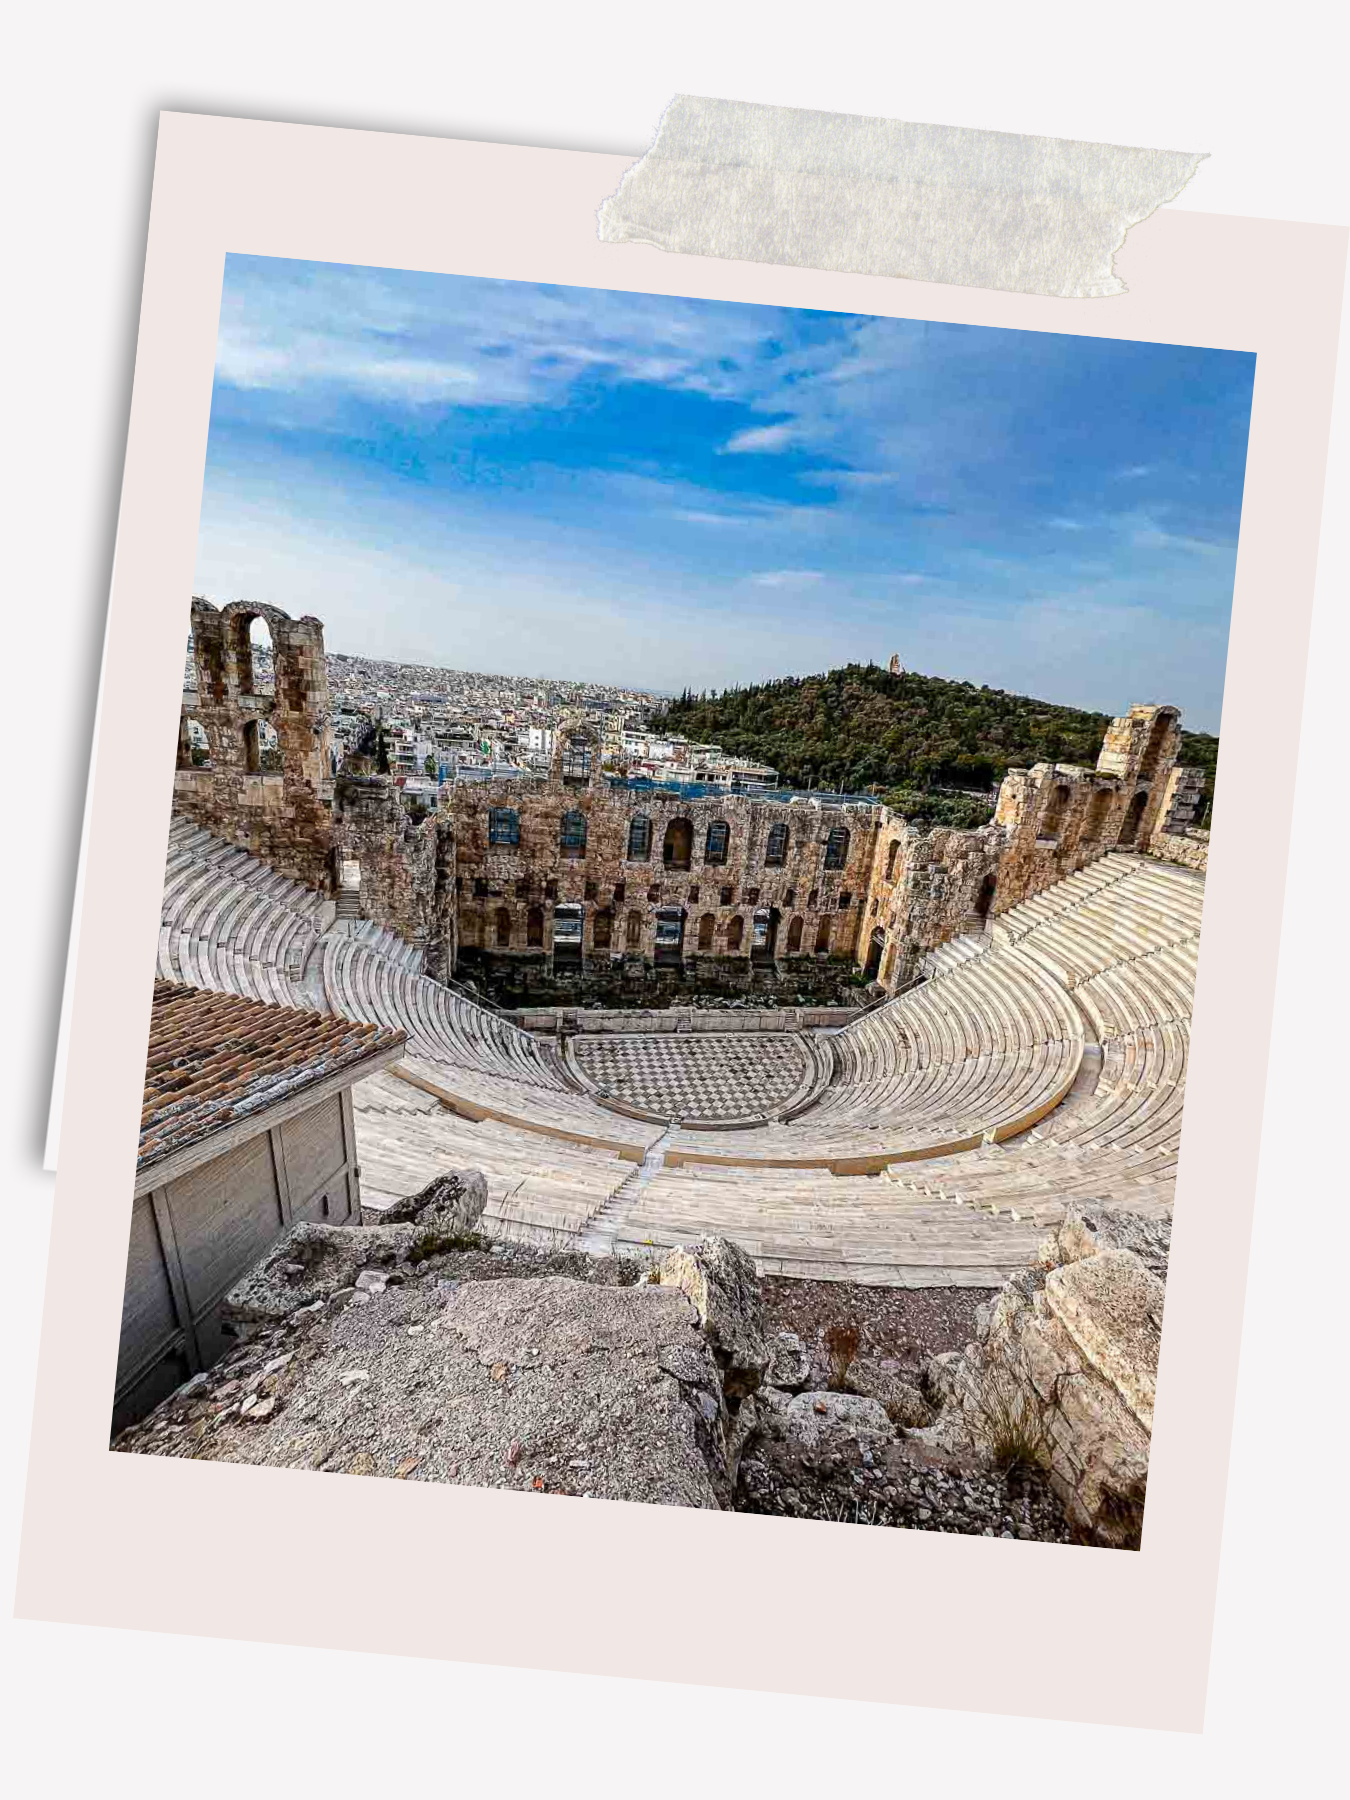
(666, 887)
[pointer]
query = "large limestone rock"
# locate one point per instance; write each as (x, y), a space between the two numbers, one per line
(1063, 1372)
(720, 1281)
(789, 1364)
(823, 1428)
(802, 1445)
(311, 1263)
(447, 1208)
(884, 1382)
(548, 1384)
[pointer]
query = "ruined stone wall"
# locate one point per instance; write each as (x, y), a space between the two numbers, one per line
(405, 863)
(1189, 850)
(283, 816)
(509, 892)
(926, 887)
(1058, 818)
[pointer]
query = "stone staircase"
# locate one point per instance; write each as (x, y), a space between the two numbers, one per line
(603, 1227)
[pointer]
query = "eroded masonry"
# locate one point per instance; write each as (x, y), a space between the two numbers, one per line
(584, 885)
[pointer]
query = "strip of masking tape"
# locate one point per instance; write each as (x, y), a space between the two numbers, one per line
(820, 190)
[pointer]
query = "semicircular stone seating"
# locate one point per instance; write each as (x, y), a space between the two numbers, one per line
(1118, 942)
(473, 1089)
(1044, 1063)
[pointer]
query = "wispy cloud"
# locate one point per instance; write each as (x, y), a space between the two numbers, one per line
(682, 457)
(787, 578)
(762, 440)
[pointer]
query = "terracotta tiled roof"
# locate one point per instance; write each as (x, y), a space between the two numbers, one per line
(214, 1059)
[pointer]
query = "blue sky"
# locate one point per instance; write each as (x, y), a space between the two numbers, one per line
(635, 488)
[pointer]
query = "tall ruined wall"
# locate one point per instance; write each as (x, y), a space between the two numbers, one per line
(508, 892)
(1059, 818)
(926, 887)
(283, 815)
(404, 866)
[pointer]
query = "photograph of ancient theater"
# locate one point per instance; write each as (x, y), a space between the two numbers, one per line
(682, 901)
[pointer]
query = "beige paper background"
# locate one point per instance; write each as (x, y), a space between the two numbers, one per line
(512, 1578)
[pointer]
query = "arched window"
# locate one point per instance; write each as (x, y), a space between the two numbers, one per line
(1052, 819)
(604, 930)
(707, 925)
(1157, 738)
(254, 653)
(1129, 831)
(875, 947)
(534, 928)
(823, 935)
(836, 848)
(776, 847)
(735, 933)
(633, 932)
(891, 855)
(503, 825)
(718, 839)
(503, 923)
(640, 839)
(984, 900)
(679, 844)
(252, 747)
(795, 937)
(194, 746)
(470, 929)
(572, 834)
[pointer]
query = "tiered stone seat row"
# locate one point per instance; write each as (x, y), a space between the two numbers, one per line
(232, 924)
(822, 1227)
(986, 1047)
(539, 1189)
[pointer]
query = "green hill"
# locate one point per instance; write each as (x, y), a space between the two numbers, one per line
(860, 727)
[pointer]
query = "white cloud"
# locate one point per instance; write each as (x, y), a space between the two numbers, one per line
(767, 440)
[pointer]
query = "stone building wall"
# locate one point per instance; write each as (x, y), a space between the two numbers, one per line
(405, 862)
(297, 816)
(625, 873)
(282, 815)
(926, 887)
(1058, 817)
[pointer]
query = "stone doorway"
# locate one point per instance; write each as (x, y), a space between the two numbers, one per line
(872, 968)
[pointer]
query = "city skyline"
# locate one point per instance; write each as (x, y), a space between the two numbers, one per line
(658, 492)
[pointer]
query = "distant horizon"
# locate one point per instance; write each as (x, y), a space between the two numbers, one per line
(604, 482)
(757, 681)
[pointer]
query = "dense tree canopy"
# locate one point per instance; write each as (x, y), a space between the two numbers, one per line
(861, 728)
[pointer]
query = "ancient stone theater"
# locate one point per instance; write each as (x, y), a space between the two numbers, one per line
(1019, 995)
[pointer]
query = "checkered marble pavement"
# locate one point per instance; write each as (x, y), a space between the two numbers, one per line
(719, 1076)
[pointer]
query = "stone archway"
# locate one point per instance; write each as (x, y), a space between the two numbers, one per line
(1134, 815)
(873, 965)
(678, 848)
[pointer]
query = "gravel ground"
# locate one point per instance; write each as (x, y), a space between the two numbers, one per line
(883, 1491)
(906, 1324)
